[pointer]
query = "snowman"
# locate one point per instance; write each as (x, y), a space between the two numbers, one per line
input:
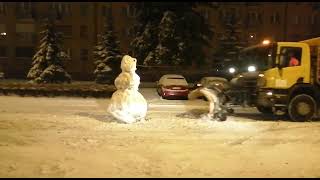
(127, 103)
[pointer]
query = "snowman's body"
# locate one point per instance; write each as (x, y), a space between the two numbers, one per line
(127, 103)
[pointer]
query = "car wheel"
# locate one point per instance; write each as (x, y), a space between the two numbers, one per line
(302, 108)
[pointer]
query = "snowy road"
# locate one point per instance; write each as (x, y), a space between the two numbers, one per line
(73, 137)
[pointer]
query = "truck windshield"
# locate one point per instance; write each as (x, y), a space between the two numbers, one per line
(262, 57)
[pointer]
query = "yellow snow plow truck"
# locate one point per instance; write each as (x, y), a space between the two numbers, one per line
(291, 83)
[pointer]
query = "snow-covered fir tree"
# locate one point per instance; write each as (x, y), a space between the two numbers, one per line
(107, 54)
(230, 41)
(48, 62)
(167, 51)
(192, 32)
(144, 43)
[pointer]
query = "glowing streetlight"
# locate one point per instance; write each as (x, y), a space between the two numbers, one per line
(265, 42)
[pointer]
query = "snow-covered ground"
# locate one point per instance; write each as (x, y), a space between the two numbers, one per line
(73, 137)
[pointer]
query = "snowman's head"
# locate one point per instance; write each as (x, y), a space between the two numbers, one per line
(128, 64)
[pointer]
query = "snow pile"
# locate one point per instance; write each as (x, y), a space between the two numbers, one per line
(127, 104)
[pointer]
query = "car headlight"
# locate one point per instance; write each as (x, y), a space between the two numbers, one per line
(269, 93)
(252, 68)
(232, 70)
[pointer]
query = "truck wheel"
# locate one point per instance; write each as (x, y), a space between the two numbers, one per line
(302, 107)
(265, 110)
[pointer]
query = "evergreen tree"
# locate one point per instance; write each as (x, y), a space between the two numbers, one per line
(107, 54)
(144, 43)
(230, 42)
(167, 50)
(191, 31)
(48, 62)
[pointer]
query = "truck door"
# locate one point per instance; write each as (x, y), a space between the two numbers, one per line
(291, 66)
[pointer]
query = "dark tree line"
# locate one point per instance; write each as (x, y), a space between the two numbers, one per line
(170, 33)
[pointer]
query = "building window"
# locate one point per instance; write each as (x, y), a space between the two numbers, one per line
(84, 54)
(61, 9)
(103, 11)
(227, 15)
(25, 33)
(65, 30)
(26, 37)
(130, 12)
(24, 52)
(222, 15)
(275, 18)
(84, 31)
(260, 18)
(313, 19)
(296, 19)
(3, 51)
(68, 51)
(3, 8)
(24, 10)
(253, 18)
(84, 9)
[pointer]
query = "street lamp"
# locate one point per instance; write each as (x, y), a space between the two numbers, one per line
(265, 42)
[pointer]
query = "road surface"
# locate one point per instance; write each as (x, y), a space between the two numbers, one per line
(73, 137)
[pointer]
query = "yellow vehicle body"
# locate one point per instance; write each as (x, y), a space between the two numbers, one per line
(293, 89)
(285, 78)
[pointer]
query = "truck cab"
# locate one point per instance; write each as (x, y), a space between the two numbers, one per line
(291, 88)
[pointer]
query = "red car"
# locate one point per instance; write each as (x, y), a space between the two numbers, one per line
(173, 86)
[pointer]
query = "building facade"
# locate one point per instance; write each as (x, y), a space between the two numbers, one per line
(81, 22)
